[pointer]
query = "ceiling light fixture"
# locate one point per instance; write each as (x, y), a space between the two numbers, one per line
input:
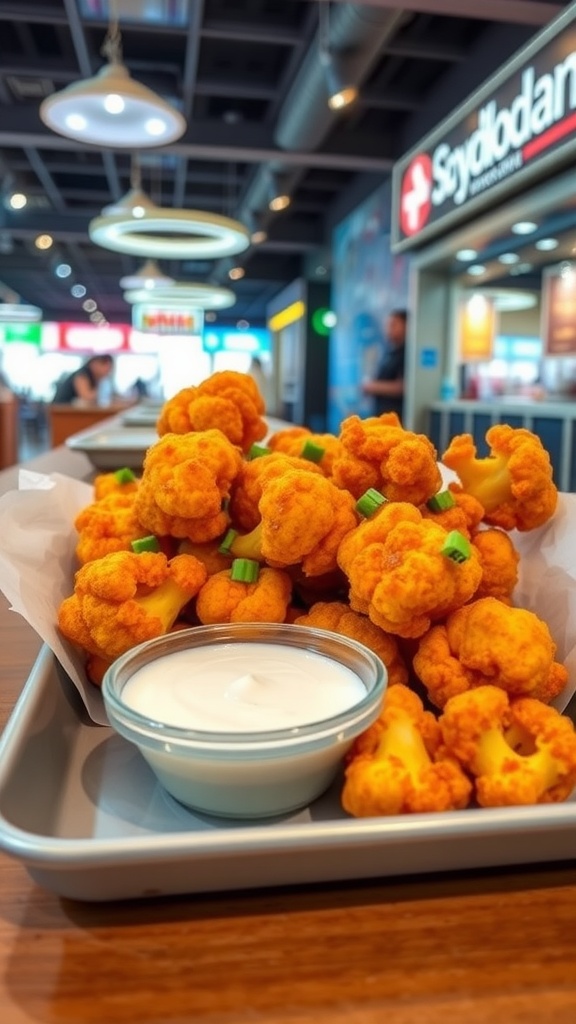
(279, 197)
(546, 244)
(43, 241)
(341, 91)
(111, 109)
(197, 295)
(235, 273)
(524, 227)
(509, 258)
(149, 276)
(464, 255)
(17, 201)
(476, 270)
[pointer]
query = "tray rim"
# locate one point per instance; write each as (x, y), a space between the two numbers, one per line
(34, 849)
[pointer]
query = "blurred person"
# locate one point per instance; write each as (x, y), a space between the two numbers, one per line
(83, 384)
(387, 385)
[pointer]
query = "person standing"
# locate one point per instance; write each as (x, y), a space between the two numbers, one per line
(387, 385)
(82, 385)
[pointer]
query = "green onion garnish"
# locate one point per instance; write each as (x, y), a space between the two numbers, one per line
(125, 475)
(256, 451)
(369, 502)
(150, 543)
(312, 451)
(456, 546)
(244, 570)
(228, 541)
(441, 501)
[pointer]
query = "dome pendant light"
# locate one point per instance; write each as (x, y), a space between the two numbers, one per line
(111, 109)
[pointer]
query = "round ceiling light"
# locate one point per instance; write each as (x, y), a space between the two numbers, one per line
(197, 295)
(149, 276)
(112, 110)
(170, 233)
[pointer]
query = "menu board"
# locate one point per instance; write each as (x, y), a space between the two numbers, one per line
(559, 310)
(476, 327)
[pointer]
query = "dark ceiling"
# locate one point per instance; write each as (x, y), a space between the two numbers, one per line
(246, 76)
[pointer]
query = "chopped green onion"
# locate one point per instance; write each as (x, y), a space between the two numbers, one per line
(441, 501)
(150, 543)
(456, 546)
(369, 502)
(312, 451)
(124, 475)
(228, 541)
(256, 451)
(244, 570)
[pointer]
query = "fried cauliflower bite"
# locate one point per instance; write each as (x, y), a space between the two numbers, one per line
(229, 401)
(109, 524)
(209, 554)
(304, 444)
(398, 573)
(121, 481)
(222, 599)
(303, 520)
(499, 560)
(400, 464)
(465, 514)
(519, 751)
(248, 485)
(125, 598)
(338, 617)
(488, 642)
(514, 483)
(395, 766)
(185, 480)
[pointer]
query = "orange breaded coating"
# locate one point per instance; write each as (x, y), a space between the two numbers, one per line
(514, 483)
(499, 560)
(292, 441)
(519, 751)
(303, 520)
(110, 524)
(488, 642)
(465, 515)
(185, 479)
(209, 554)
(121, 481)
(395, 767)
(398, 574)
(222, 599)
(247, 487)
(339, 618)
(125, 598)
(400, 464)
(229, 401)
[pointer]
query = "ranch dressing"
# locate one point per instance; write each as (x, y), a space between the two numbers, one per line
(239, 687)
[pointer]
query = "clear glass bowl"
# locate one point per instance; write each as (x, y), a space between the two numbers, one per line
(246, 774)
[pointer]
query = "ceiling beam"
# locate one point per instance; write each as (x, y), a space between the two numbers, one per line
(241, 32)
(520, 12)
(78, 37)
(45, 178)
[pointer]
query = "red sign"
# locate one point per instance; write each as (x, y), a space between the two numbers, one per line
(415, 195)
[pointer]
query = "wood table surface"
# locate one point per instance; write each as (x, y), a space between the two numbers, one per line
(487, 947)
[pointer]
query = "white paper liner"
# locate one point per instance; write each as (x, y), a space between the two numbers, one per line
(37, 566)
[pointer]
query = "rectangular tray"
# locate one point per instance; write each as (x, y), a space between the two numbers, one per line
(111, 448)
(82, 811)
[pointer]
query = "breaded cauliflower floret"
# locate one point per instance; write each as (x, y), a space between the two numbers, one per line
(303, 520)
(499, 560)
(125, 598)
(514, 483)
(222, 599)
(228, 400)
(297, 441)
(398, 573)
(400, 464)
(395, 768)
(488, 642)
(121, 481)
(339, 618)
(185, 480)
(248, 485)
(109, 524)
(519, 751)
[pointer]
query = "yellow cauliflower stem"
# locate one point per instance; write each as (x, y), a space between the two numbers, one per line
(514, 483)
(222, 599)
(185, 479)
(489, 642)
(391, 770)
(125, 598)
(519, 751)
(339, 618)
(400, 464)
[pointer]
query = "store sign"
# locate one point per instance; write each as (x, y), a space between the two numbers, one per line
(224, 339)
(476, 328)
(149, 317)
(28, 334)
(496, 142)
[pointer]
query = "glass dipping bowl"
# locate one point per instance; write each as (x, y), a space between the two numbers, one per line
(246, 774)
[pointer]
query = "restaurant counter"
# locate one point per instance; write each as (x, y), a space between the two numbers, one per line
(486, 946)
(554, 422)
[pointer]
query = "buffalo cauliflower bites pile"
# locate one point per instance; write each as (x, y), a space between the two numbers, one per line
(355, 533)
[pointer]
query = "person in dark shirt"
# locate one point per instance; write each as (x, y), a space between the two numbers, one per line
(82, 384)
(387, 386)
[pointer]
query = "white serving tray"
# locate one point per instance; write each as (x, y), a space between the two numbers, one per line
(83, 813)
(144, 415)
(110, 448)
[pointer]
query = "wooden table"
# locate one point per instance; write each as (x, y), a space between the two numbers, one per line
(490, 947)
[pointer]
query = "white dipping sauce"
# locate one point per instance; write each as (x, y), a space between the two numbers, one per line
(242, 687)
